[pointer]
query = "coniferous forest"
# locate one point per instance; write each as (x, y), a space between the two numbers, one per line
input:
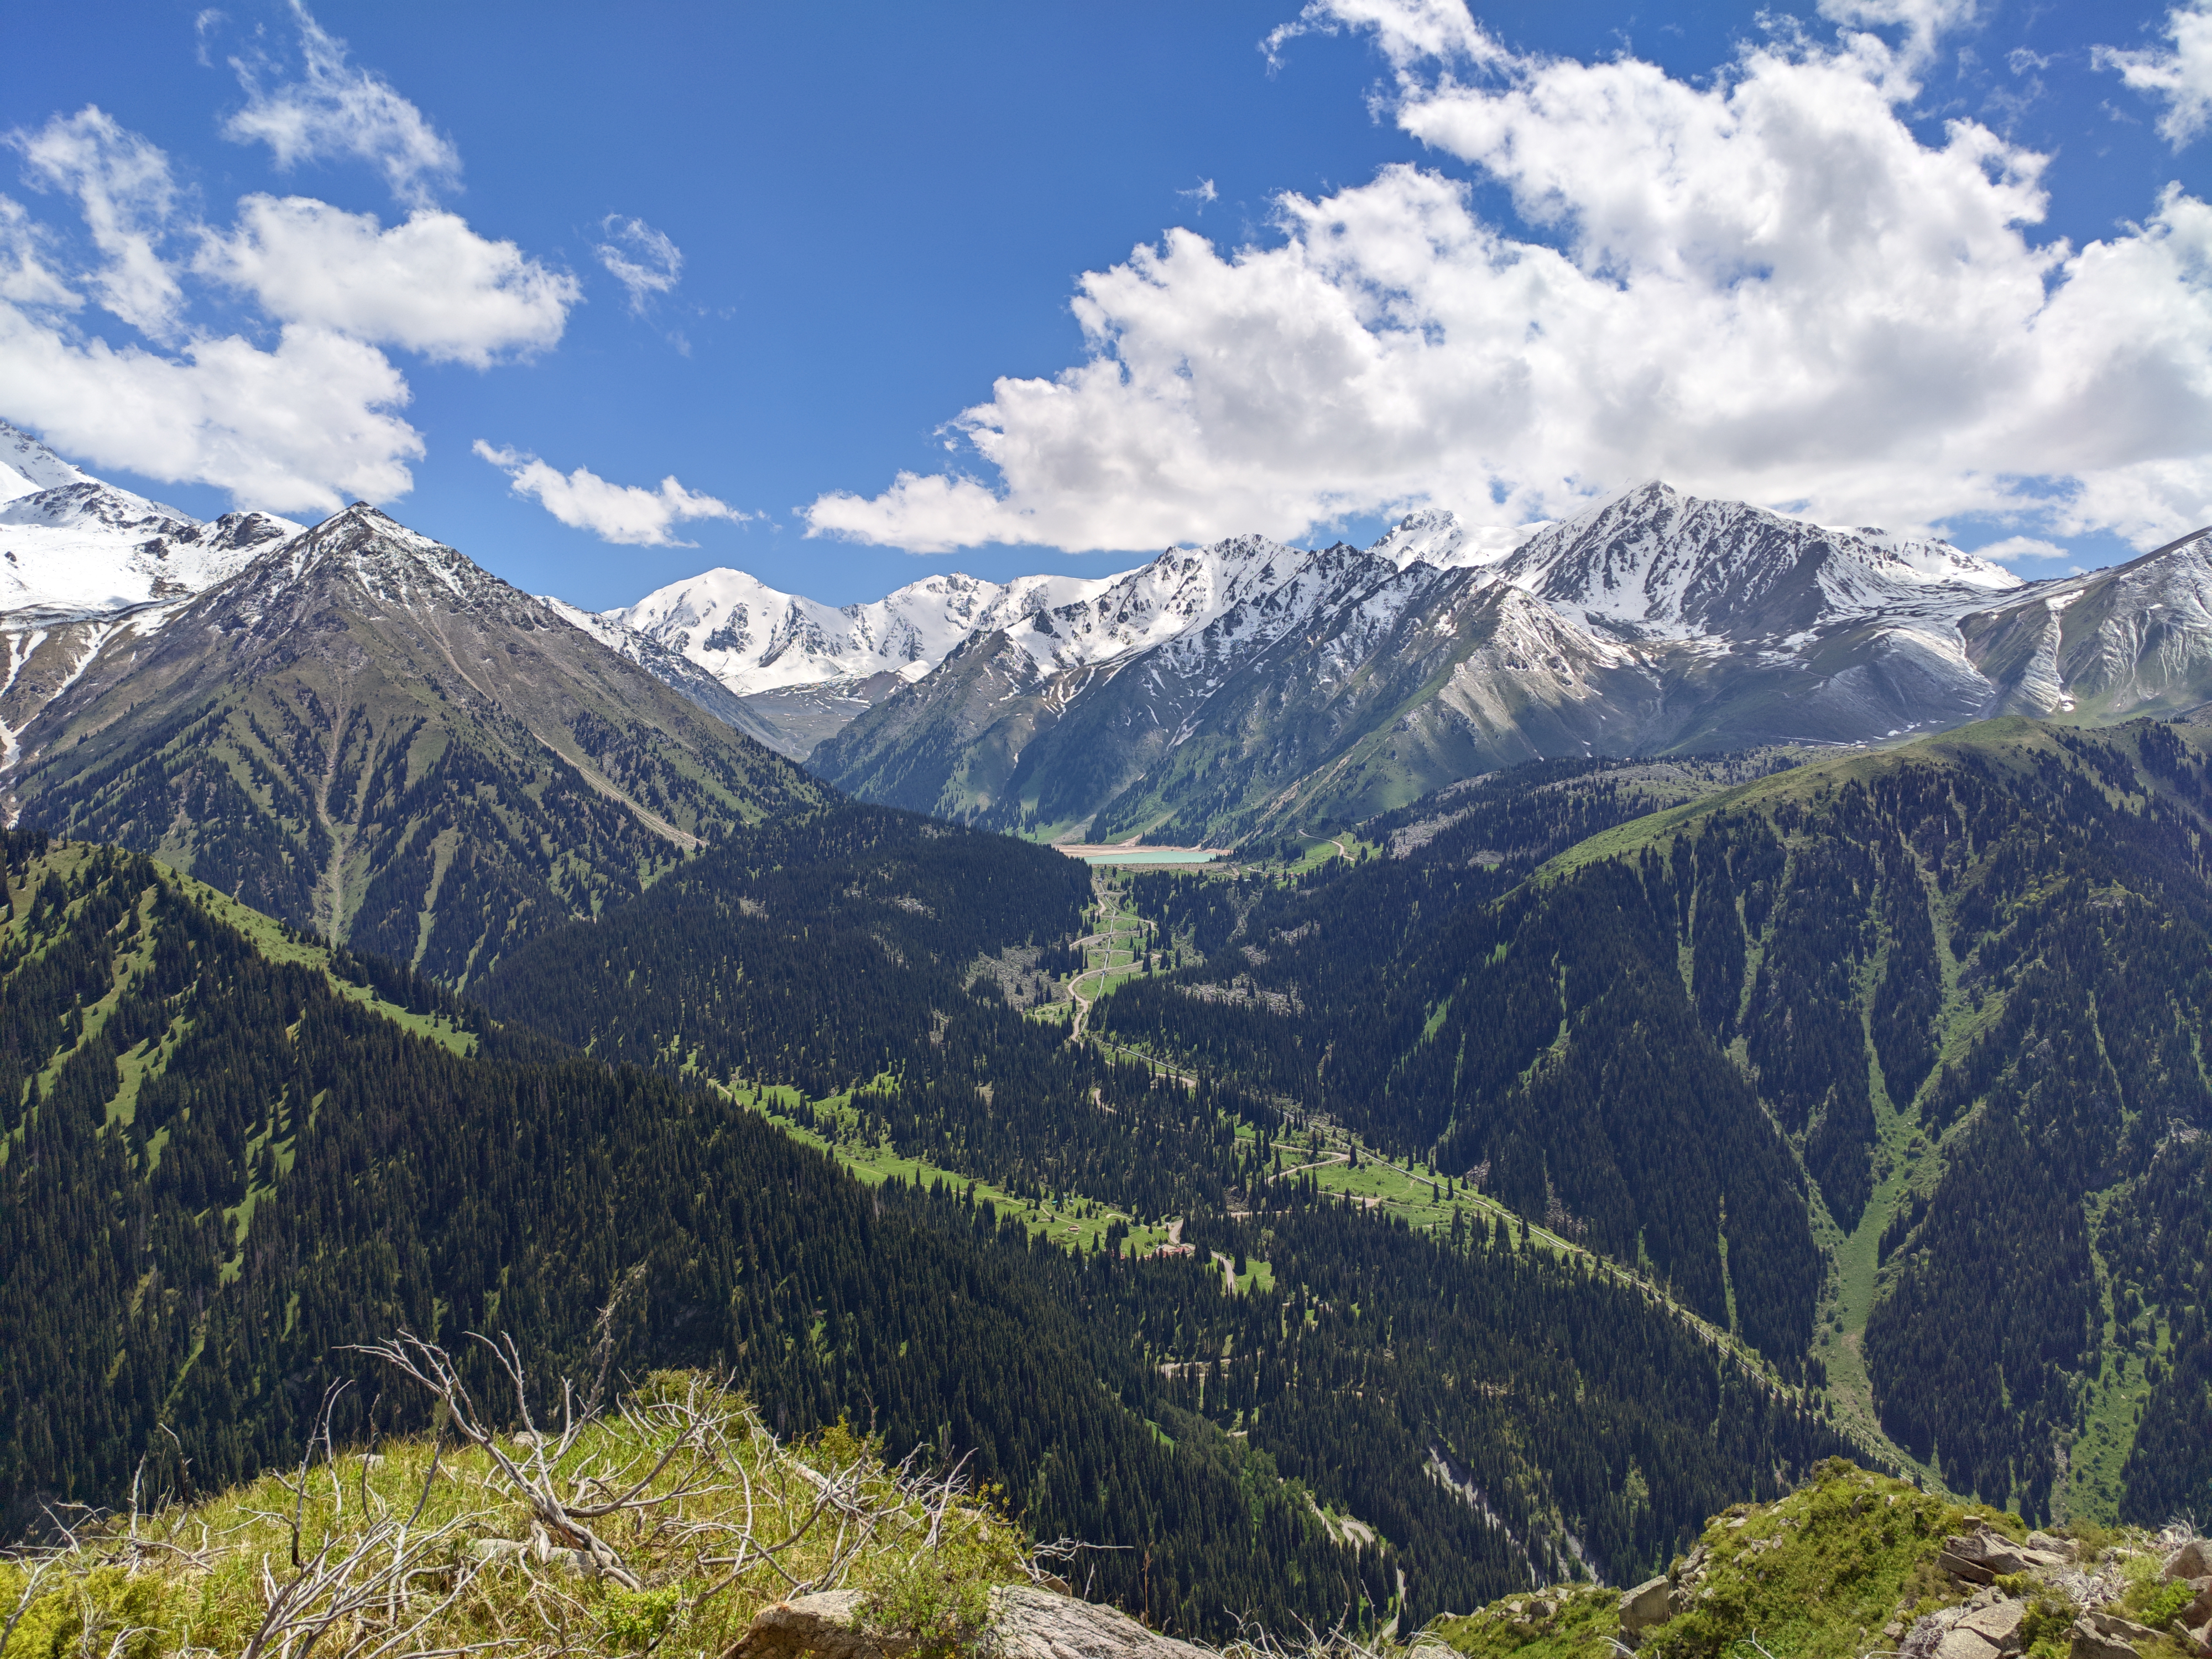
(1663, 1044)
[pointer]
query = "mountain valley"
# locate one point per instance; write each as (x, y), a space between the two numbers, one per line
(1693, 998)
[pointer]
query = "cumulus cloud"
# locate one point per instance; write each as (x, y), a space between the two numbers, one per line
(1761, 285)
(639, 257)
(302, 428)
(334, 107)
(430, 285)
(123, 188)
(612, 511)
(2182, 77)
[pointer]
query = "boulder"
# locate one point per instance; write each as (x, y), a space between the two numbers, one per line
(2199, 1612)
(2197, 1639)
(1645, 1608)
(2064, 1548)
(1025, 1623)
(1991, 1552)
(1963, 1566)
(2090, 1643)
(2000, 1625)
(1960, 1643)
(1035, 1624)
(2120, 1629)
(2192, 1561)
(827, 1624)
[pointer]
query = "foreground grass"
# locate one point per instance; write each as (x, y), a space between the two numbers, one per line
(423, 1547)
(1840, 1569)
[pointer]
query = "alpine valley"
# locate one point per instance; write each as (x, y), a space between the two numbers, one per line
(1686, 1004)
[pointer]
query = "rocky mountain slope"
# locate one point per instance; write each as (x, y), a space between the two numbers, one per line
(1312, 689)
(366, 733)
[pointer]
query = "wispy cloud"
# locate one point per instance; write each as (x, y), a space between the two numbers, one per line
(123, 187)
(639, 257)
(2183, 76)
(204, 24)
(614, 513)
(1202, 193)
(334, 108)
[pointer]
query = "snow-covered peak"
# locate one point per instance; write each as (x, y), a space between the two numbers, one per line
(1656, 563)
(70, 544)
(381, 560)
(28, 465)
(1437, 535)
(88, 546)
(1216, 603)
(753, 637)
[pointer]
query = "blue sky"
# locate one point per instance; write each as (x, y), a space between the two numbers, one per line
(881, 211)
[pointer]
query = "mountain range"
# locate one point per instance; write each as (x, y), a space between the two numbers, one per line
(1223, 691)
(1245, 687)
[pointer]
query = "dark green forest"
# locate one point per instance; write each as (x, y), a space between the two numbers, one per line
(1683, 1014)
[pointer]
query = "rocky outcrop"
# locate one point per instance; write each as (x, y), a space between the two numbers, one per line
(2192, 1626)
(1649, 1605)
(1982, 1555)
(1025, 1623)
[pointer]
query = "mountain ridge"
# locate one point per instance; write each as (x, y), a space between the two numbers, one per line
(365, 733)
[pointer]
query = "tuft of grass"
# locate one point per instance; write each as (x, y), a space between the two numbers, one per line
(728, 1520)
(1578, 1621)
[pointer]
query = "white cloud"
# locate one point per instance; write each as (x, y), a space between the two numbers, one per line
(26, 277)
(299, 429)
(123, 186)
(1763, 286)
(2013, 549)
(430, 285)
(612, 511)
(337, 109)
(2182, 77)
(1922, 21)
(642, 259)
(1203, 194)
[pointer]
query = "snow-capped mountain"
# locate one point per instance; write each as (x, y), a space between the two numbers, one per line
(69, 542)
(1224, 689)
(755, 639)
(1437, 536)
(364, 732)
(1654, 563)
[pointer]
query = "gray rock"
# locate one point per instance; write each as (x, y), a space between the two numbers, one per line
(1962, 1643)
(1990, 1551)
(2090, 1643)
(2064, 1548)
(1999, 1624)
(1966, 1567)
(1025, 1623)
(2199, 1612)
(2192, 1561)
(827, 1624)
(1645, 1608)
(1035, 1624)
(2120, 1629)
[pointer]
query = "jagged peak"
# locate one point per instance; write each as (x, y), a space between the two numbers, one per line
(27, 465)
